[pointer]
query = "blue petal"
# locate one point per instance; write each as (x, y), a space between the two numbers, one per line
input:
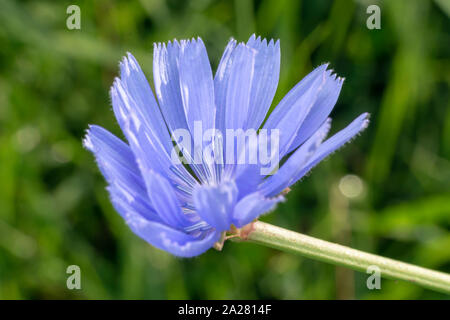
(283, 178)
(247, 174)
(265, 79)
(116, 162)
(124, 202)
(114, 156)
(233, 109)
(215, 203)
(247, 179)
(165, 201)
(162, 236)
(220, 84)
(145, 143)
(167, 84)
(239, 87)
(125, 110)
(335, 142)
(167, 87)
(171, 240)
(320, 111)
(196, 83)
(262, 85)
(251, 207)
(291, 112)
(145, 109)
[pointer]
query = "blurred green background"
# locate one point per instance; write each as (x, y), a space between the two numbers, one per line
(55, 211)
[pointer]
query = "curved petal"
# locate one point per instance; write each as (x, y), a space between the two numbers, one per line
(282, 179)
(239, 87)
(173, 241)
(235, 100)
(220, 84)
(214, 204)
(247, 179)
(146, 145)
(334, 143)
(162, 236)
(291, 112)
(167, 84)
(251, 207)
(320, 110)
(145, 109)
(123, 202)
(114, 157)
(196, 83)
(117, 164)
(247, 170)
(265, 79)
(165, 201)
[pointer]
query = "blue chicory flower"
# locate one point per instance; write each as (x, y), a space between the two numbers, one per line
(184, 209)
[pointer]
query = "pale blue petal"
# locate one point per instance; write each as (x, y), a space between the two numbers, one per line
(283, 178)
(114, 157)
(247, 179)
(165, 202)
(116, 161)
(247, 173)
(291, 112)
(239, 87)
(320, 111)
(123, 202)
(335, 142)
(196, 83)
(167, 84)
(262, 85)
(265, 79)
(145, 109)
(215, 203)
(130, 122)
(147, 146)
(234, 110)
(251, 207)
(220, 84)
(171, 240)
(162, 236)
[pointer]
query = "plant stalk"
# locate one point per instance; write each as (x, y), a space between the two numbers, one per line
(289, 241)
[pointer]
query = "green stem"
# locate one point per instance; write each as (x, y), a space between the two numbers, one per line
(289, 241)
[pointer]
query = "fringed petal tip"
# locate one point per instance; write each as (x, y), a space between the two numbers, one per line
(128, 64)
(158, 46)
(262, 42)
(87, 142)
(113, 90)
(366, 121)
(336, 142)
(193, 42)
(94, 132)
(329, 73)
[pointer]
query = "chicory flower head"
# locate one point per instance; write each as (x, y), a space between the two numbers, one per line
(184, 207)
